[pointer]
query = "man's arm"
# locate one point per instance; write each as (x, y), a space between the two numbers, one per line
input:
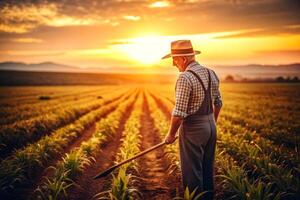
(182, 94)
(216, 112)
(175, 124)
(217, 98)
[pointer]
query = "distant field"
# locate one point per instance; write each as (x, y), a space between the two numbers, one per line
(82, 130)
(31, 78)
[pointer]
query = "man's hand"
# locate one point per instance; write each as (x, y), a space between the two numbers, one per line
(175, 123)
(169, 139)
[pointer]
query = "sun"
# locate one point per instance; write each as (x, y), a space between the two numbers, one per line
(146, 50)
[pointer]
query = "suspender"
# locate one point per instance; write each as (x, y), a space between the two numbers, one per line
(209, 80)
(206, 106)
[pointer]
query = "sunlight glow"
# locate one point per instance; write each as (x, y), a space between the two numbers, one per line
(216, 47)
(132, 17)
(27, 40)
(146, 50)
(159, 4)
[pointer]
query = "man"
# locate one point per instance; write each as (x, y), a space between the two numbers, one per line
(197, 106)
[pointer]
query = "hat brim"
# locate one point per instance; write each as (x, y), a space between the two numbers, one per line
(174, 55)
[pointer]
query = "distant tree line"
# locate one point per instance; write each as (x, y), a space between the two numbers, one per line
(280, 79)
(288, 79)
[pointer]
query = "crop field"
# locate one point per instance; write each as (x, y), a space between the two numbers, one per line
(55, 139)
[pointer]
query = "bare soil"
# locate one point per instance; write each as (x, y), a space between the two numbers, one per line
(47, 172)
(162, 107)
(88, 187)
(155, 182)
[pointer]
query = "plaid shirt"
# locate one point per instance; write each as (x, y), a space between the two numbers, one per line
(189, 93)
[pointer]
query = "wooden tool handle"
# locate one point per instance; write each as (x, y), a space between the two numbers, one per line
(109, 170)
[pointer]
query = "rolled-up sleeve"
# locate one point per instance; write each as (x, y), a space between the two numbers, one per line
(182, 95)
(216, 93)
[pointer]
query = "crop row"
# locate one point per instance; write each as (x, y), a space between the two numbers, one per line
(24, 163)
(22, 112)
(278, 180)
(122, 187)
(171, 151)
(271, 123)
(28, 95)
(75, 162)
(161, 123)
(278, 132)
(235, 183)
(270, 100)
(277, 112)
(19, 134)
(56, 93)
(273, 116)
(27, 92)
(259, 163)
(277, 153)
(237, 125)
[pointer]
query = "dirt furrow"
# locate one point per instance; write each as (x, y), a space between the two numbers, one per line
(155, 182)
(161, 106)
(37, 135)
(39, 179)
(104, 158)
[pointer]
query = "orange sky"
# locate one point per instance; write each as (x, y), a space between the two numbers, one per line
(128, 33)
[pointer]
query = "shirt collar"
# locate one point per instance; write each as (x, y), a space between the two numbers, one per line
(191, 65)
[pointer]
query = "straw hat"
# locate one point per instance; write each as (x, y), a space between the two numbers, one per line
(181, 48)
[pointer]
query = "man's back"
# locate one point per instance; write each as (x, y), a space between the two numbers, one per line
(189, 91)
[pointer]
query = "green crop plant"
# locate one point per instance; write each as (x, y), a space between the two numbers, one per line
(121, 187)
(36, 155)
(89, 147)
(21, 133)
(239, 186)
(162, 125)
(191, 195)
(54, 189)
(257, 133)
(265, 163)
(75, 162)
(260, 165)
(16, 112)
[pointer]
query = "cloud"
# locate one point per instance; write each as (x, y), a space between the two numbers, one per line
(21, 28)
(132, 18)
(119, 42)
(160, 4)
(216, 16)
(24, 18)
(199, 15)
(26, 40)
(236, 34)
(31, 53)
(295, 53)
(289, 29)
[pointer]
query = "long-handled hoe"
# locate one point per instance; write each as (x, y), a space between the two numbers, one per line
(109, 170)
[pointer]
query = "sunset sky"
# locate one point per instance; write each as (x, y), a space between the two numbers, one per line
(129, 33)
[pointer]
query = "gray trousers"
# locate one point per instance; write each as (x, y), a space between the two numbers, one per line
(197, 142)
